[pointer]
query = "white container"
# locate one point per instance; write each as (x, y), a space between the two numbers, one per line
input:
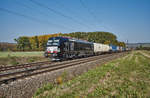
(100, 48)
(105, 48)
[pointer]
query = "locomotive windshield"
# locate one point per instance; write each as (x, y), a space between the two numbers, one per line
(53, 42)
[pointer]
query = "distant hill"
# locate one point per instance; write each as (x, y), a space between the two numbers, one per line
(137, 45)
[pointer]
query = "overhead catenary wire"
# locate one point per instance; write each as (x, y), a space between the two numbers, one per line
(59, 13)
(68, 10)
(91, 13)
(32, 7)
(29, 7)
(32, 18)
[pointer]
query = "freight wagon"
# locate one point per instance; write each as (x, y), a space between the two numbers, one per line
(113, 48)
(60, 48)
(100, 48)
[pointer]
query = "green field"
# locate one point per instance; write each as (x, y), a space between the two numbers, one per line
(125, 77)
(21, 54)
(14, 58)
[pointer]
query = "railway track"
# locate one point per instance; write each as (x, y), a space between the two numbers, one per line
(6, 68)
(23, 71)
(27, 65)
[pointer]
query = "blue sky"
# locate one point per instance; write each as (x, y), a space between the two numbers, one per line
(128, 19)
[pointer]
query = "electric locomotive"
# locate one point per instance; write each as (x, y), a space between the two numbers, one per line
(60, 48)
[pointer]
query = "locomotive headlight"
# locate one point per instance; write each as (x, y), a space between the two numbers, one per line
(48, 49)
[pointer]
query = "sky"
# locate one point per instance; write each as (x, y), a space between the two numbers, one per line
(127, 19)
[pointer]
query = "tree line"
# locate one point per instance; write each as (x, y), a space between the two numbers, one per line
(38, 43)
(4, 46)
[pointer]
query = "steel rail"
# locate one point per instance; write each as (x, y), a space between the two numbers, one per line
(31, 72)
(7, 68)
(21, 66)
(42, 67)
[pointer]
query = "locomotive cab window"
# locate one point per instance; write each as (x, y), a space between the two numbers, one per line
(53, 43)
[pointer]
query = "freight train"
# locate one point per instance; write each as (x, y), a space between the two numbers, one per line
(60, 48)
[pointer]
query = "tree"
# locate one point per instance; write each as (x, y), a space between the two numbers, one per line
(107, 42)
(36, 41)
(122, 44)
(39, 42)
(23, 42)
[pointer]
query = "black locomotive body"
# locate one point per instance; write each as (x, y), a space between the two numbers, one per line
(59, 48)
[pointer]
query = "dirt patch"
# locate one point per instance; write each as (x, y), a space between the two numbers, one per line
(125, 57)
(131, 56)
(136, 59)
(145, 54)
(102, 81)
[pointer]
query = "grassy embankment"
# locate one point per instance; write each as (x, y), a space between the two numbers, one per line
(146, 52)
(128, 76)
(14, 58)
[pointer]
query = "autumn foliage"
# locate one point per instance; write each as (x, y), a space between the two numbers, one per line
(38, 43)
(34, 43)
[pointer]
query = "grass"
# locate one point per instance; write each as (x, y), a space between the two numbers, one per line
(148, 52)
(14, 58)
(128, 76)
(21, 54)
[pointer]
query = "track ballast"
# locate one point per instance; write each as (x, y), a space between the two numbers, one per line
(10, 74)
